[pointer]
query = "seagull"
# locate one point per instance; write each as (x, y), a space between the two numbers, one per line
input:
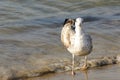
(76, 40)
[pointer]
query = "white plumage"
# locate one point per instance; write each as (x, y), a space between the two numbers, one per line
(76, 40)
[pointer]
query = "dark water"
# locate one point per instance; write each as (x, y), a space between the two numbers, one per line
(30, 29)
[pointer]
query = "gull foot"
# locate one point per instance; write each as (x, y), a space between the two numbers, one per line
(73, 73)
(84, 68)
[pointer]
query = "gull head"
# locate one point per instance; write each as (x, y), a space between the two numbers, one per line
(78, 21)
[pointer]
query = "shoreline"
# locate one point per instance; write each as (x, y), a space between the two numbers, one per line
(57, 67)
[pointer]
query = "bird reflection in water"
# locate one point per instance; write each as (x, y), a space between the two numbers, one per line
(85, 76)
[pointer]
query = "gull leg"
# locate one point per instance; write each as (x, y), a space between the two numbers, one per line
(85, 64)
(85, 61)
(73, 62)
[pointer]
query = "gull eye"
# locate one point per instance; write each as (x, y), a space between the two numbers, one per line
(73, 27)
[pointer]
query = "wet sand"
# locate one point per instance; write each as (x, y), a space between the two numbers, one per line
(110, 72)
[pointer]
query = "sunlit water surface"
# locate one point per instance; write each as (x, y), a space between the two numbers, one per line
(30, 30)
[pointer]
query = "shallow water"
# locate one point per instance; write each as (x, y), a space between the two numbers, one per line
(104, 73)
(30, 30)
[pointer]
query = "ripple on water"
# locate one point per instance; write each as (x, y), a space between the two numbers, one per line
(30, 34)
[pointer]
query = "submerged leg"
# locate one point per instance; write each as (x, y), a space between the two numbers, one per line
(73, 62)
